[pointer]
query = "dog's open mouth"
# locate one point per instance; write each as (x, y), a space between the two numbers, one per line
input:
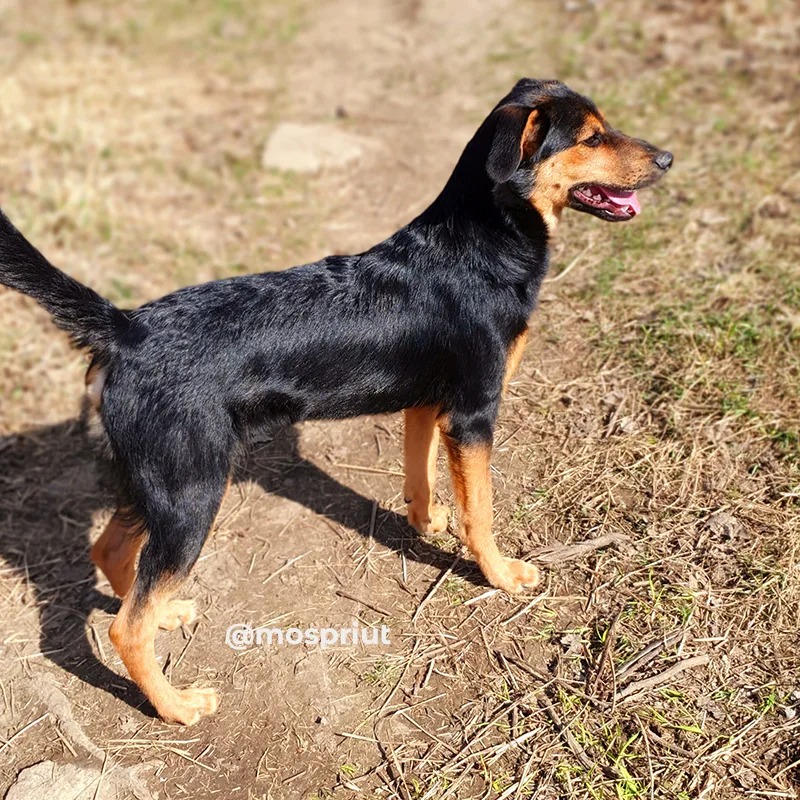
(605, 202)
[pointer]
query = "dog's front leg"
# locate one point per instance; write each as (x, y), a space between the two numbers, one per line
(472, 485)
(420, 449)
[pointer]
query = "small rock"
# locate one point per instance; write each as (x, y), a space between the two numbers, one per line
(773, 206)
(613, 400)
(307, 148)
(48, 780)
(572, 644)
(723, 524)
(627, 425)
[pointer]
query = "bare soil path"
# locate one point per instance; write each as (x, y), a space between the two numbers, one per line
(656, 410)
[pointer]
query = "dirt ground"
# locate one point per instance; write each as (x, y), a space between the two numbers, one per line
(656, 410)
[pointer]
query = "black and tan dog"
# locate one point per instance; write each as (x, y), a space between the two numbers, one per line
(432, 322)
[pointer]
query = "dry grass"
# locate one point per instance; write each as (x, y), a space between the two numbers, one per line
(656, 415)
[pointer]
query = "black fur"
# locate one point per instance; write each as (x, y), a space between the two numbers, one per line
(424, 318)
(90, 320)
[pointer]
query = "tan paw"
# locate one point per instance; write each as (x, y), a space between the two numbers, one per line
(188, 706)
(176, 613)
(514, 575)
(435, 523)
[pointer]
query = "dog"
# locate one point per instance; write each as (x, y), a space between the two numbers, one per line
(431, 322)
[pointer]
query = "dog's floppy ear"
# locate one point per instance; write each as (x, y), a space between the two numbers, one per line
(518, 133)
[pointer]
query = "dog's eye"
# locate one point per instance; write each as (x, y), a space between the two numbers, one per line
(593, 141)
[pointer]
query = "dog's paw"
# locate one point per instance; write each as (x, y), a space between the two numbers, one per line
(435, 523)
(188, 706)
(515, 575)
(176, 613)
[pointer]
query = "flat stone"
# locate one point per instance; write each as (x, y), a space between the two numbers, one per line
(723, 523)
(48, 780)
(309, 148)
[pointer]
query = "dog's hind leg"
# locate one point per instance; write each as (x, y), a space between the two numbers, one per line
(421, 446)
(115, 554)
(116, 550)
(177, 523)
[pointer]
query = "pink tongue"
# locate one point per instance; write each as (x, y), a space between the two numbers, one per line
(624, 199)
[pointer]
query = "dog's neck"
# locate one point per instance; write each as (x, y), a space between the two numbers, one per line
(471, 194)
(514, 232)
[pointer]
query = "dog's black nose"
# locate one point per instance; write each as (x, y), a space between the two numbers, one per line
(664, 159)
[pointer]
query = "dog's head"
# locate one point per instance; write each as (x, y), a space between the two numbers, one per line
(553, 148)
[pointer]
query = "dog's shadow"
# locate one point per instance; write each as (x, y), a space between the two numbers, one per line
(49, 492)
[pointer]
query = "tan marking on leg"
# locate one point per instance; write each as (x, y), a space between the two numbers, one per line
(133, 635)
(115, 554)
(176, 613)
(472, 485)
(515, 352)
(95, 381)
(116, 550)
(421, 446)
(92, 401)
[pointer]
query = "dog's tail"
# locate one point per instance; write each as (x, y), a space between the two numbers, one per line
(92, 321)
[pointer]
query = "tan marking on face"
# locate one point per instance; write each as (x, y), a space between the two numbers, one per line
(531, 136)
(621, 161)
(591, 125)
